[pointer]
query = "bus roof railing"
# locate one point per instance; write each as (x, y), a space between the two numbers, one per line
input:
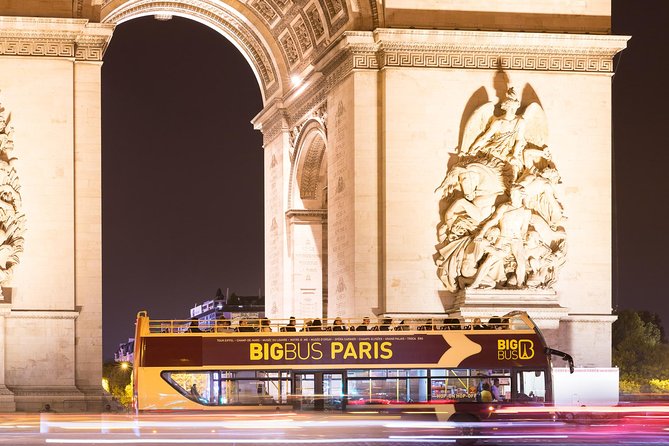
(516, 320)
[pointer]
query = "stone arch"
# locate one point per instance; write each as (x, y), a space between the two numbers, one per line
(306, 220)
(308, 179)
(259, 49)
(281, 39)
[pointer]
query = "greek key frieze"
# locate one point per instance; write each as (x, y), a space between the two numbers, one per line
(541, 62)
(33, 48)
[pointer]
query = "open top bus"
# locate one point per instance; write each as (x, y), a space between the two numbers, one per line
(413, 366)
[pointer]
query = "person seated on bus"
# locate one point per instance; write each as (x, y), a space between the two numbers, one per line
(316, 325)
(486, 395)
(194, 392)
(364, 326)
(265, 325)
(245, 327)
(402, 326)
(338, 325)
(451, 323)
(291, 325)
(194, 326)
(429, 326)
(477, 324)
(386, 322)
(223, 326)
(494, 323)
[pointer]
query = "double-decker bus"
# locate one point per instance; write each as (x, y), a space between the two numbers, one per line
(412, 366)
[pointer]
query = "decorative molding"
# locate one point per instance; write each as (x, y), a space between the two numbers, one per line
(313, 13)
(284, 5)
(311, 169)
(209, 11)
(319, 116)
(375, 13)
(306, 214)
(391, 48)
(71, 38)
(265, 10)
(303, 35)
(494, 50)
(289, 48)
(79, 8)
(43, 314)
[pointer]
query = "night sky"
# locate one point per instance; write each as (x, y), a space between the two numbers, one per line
(183, 168)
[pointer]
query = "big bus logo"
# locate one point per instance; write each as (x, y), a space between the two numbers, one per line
(513, 349)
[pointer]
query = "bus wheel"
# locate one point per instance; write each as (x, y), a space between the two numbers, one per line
(469, 428)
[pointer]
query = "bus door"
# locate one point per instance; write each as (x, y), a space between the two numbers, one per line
(531, 385)
(318, 390)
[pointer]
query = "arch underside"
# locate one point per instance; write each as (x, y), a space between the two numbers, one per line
(309, 170)
(279, 38)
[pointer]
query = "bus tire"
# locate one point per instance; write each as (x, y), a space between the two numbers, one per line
(466, 431)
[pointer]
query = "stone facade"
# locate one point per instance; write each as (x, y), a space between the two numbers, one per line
(365, 109)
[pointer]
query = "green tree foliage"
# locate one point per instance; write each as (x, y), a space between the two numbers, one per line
(120, 381)
(638, 347)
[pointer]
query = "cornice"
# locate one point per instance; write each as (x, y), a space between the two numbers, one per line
(494, 50)
(42, 314)
(306, 215)
(51, 37)
(402, 48)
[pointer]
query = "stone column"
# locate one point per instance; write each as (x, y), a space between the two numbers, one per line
(305, 229)
(50, 78)
(7, 403)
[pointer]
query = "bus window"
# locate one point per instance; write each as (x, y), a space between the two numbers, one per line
(219, 388)
(381, 386)
(530, 386)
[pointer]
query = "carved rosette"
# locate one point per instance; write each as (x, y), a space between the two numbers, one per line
(12, 218)
(502, 220)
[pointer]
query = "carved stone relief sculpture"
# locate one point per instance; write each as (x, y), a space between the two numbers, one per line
(501, 214)
(12, 218)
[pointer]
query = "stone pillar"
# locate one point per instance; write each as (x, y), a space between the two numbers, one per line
(305, 230)
(88, 227)
(7, 403)
(50, 79)
(272, 123)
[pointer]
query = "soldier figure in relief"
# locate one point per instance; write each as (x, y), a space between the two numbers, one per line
(513, 220)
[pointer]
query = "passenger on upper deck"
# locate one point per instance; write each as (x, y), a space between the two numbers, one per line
(386, 322)
(291, 325)
(364, 326)
(338, 325)
(223, 326)
(477, 324)
(265, 324)
(402, 326)
(316, 325)
(451, 323)
(245, 327)
(194, 326)
(494, 323)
